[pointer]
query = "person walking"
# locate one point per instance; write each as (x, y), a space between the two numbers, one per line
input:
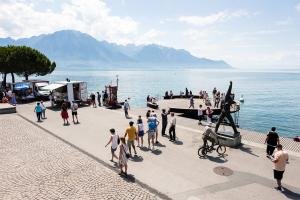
(272, 141)
(280, 160)
(126, 108)
(74, 108)
(123, 156)
(164, 119)
(93, 98)
(140, 131)
(51, 98)
(64, 113)
(172, 128)
(132, 135)
(200, 114)
(38, 111)
(43, 110)
(114, 141)
(154, 123)
(99, 99)
(148, 114)
(191, 102)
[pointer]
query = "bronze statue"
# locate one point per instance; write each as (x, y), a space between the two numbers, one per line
(225, 112)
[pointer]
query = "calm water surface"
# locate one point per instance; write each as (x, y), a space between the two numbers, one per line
(271, 99)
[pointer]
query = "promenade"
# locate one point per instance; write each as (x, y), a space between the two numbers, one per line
(171, 171)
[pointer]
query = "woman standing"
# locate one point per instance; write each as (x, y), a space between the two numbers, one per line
(64, 113)
(123, 156)
(140, 131)
(114, 140)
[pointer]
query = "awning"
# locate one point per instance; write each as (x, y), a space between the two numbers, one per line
(52, 86)
(21, 86)
(41, 84)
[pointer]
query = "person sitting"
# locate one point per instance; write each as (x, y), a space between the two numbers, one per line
(209, 135)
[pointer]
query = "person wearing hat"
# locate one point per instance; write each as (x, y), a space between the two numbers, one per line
(132, 135)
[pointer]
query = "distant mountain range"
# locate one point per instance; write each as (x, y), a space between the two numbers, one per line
(69, 47)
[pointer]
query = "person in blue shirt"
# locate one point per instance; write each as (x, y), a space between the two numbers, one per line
(38, 111)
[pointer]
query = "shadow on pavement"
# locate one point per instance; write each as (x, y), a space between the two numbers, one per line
(136, 158)
(178, 142)
(290, 194)
(144, 149)
(247, 150)
(156, 152)
(219, 159)
(159, 144)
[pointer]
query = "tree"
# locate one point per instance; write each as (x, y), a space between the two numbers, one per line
(24, 61)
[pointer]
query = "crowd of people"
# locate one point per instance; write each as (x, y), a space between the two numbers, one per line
(7, 96)
(135, 133)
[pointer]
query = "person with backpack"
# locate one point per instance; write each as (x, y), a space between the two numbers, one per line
(126, 108)
(114, 141)
(152, 128)
(38, 111)
(74, 108)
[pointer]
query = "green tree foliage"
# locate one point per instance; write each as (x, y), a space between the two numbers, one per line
(24, 61)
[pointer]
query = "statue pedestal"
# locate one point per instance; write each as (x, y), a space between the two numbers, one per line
(229, 139)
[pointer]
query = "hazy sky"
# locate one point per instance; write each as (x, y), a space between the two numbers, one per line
(245, 33)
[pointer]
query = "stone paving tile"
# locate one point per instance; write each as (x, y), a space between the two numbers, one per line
(36, 165)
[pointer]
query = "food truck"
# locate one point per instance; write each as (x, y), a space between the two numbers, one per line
(71, 91)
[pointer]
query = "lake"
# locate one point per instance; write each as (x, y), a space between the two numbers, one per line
(271, 98)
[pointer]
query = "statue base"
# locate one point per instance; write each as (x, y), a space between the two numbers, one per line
(229, 139)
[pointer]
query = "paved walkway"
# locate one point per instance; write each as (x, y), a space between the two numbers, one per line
(174, 168)
(36, 165)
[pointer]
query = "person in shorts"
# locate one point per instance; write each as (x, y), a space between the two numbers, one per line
(132, 135)
(200, 114)
(140, 126)
(280, 160)
(74, 108)
(272, 141)
(152, 128)
(114, 141)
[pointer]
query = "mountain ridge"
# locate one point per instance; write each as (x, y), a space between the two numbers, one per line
(70, 46)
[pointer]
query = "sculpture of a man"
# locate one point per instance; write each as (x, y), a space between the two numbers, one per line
(225, 112)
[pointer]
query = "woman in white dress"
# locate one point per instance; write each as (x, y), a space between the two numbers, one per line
(123, 156)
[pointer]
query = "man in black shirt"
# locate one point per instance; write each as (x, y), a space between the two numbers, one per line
(272, 141)
(164, 119)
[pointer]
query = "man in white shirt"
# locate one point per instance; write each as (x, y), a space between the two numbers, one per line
(172, 128)
(200, 114)
(280, 159)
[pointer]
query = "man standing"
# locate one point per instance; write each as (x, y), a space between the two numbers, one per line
(154, 124)
(74, 108)
(280, 159)
(99, 99)
(126, 108)
(200, 114)
(172, 128)
(272, 141)
(191, 102)
(164, 119)
(132, 135)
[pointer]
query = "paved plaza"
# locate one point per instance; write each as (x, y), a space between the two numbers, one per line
(173, 169)
(36, 165)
